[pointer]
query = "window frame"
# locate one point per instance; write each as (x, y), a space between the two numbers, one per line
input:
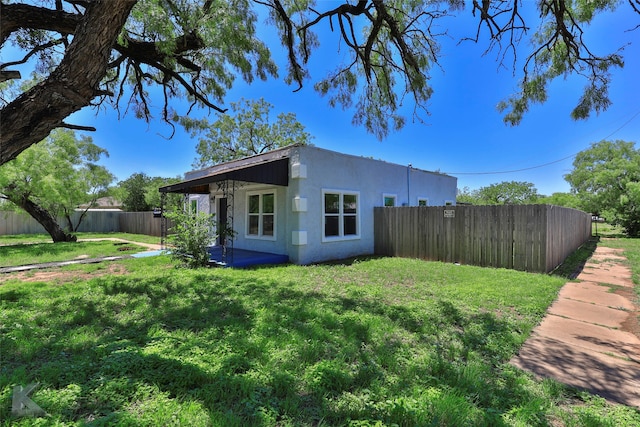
(423, 199)
(261, 215)
(341, 215)
(193, 206)
(392, 196)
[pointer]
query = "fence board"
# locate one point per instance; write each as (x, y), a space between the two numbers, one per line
(94, 221)
(530, 237)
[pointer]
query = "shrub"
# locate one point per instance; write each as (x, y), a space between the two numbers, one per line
(190, 236)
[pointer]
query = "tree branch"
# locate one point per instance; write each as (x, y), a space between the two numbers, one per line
(146, 52)
(296, 68)
(31, 116)
(22, 16)
(77, 127)
(138, 52)
(32, 52)
(9, 75)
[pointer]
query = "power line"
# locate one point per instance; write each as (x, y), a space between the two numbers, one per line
(549, 163)
(511, 171)
(623, 125)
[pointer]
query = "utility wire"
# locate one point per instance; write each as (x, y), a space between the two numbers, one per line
(511, 171)
(545, 164)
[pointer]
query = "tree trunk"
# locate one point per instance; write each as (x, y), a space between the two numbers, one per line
(45, 219)
(71, 86)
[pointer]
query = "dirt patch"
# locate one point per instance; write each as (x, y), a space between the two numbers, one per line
(62, 276)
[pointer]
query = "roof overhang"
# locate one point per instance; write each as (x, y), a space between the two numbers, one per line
(258, 169)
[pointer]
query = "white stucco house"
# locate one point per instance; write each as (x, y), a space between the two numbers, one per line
(308, 204)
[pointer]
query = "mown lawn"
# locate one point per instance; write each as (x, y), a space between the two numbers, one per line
(369, 343)
(28, 249)
(16, 239)
(34, 253)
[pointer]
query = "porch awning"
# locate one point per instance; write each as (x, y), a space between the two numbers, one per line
(262, 170)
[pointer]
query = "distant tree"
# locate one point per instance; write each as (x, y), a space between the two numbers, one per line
(507, 193)
(51, 179)
(248, 130)
(139, 192)
(134, 192)
(152, 195)
(567, 200)
(606, 180)
(112, 52)
(468, 196)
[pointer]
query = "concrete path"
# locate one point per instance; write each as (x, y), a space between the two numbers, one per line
(56, 264)
(590, 338)
(151, 249)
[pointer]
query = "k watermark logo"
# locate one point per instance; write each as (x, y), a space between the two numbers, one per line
(22, 405)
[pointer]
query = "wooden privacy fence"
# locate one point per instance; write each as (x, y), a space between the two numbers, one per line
(94, 221)
(534, 238)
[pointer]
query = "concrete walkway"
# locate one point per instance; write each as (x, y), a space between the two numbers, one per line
(590, 338)
(152, 248)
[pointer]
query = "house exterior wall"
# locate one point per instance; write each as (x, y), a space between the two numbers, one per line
(300, 217)
(277, 243)
(314, 170)
(202, 201)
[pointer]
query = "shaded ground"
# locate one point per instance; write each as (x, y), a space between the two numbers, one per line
(590, 338)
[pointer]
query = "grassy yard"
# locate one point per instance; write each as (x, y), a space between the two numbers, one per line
(374, 342)
(18, 239)
(32, 253)
(37, 248)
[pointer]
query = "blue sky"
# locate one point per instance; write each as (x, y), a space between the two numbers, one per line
(464, 135)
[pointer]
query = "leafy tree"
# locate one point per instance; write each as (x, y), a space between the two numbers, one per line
(606, 180)
(95, 52)
(134, 193)
(467, 196)
(567, 200)
(50, 179)
(140, 193)
(507, 193)
(152, 195)
(247, 132)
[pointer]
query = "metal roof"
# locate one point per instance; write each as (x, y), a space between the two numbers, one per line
(268, 168)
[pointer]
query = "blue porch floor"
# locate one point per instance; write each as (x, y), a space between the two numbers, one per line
(241, 258)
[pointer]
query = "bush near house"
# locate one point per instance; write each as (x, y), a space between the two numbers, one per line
(190, 236)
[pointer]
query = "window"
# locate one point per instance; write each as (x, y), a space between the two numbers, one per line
(261, 221)
(423, 201)
(448, 202)
(340, 215)
(388, 200)
(193, 206)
